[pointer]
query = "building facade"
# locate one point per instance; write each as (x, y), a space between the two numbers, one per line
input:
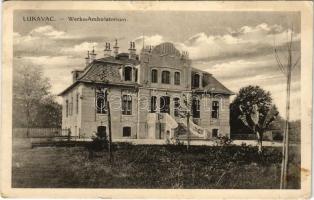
(150, 96)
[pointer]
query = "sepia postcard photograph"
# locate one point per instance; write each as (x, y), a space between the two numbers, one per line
(157, 99)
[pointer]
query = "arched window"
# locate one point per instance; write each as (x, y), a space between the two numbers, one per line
(165, 77)
(196, 80)
(154, 76)
(177, 78)
(128, 73)
(215, 132)
(101, 103)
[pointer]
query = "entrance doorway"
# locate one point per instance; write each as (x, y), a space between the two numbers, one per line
(165, 104)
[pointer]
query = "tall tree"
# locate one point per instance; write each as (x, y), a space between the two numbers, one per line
(253, 108)
(29, 88)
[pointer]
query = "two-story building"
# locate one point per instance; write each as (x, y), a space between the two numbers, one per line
(150, 96)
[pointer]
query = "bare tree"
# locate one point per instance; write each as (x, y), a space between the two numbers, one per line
(286, 68)
(29, 89)
(185, 112)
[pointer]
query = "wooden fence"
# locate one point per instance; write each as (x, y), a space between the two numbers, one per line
(39, 132)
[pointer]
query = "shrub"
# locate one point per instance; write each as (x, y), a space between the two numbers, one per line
(99, 142)
(223, 141)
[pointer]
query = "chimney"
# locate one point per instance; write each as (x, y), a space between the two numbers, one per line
(75, 75)
(116, 49)
(87, 59)
(107, 50)
(132, 51)
(92, 55)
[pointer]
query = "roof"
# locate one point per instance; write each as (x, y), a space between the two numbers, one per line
(104, 71)
(199, 71)
(214, 86)
(107, 71)
(122, 58)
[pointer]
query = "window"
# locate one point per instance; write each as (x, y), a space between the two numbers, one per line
(196, 80)
(66, 108)
(136, 74)
(176, 102)
(196, 108)
(128, 73)
(153, 104)
(154, 76)
(177, 78)
(101, 104)
(165, 77)
(77, 103)
(71, 106)
(126, 104)
(215, 110)
(126, 131)
(215, 132)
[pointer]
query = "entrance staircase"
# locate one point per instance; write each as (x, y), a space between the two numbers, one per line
(174, 128)
(196, 132)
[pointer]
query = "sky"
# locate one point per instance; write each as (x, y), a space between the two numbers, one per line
(236, 47)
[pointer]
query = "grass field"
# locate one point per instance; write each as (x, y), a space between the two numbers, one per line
(143, 166)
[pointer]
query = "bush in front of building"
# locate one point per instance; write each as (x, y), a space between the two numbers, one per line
(99, 141)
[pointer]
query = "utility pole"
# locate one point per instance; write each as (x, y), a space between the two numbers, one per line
(188, 127)
(286, 70)
(159, 121)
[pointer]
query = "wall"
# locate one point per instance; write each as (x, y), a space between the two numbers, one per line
(72, 121)
(206, 120)
(165, 57)
(91, 120)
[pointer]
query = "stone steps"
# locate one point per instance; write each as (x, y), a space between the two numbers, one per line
(182, 132)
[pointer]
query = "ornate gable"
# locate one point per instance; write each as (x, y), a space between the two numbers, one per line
(166, 49)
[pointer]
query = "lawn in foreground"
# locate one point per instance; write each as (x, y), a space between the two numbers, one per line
(143, 166)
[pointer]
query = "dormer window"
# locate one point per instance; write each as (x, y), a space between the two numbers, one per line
(165, 77)
(128, 73)
(196, 80)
